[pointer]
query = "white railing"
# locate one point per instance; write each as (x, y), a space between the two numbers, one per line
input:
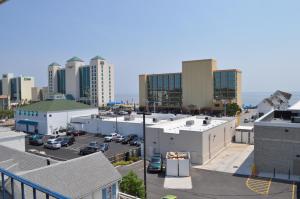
(126, 196)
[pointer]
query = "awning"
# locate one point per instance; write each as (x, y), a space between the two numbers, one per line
(28, 122)
(244, 128)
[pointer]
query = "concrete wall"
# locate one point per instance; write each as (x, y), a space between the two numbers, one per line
(239, 99)
(215, 139)
(277, 147)
(143, 90)
(197, 143)
(106, 127)
(198, 74)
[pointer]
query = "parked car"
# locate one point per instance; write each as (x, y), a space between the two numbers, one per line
(52, 144)
(111, 137)
(75, 133)
(129, 138)
(169, 197)
(94, 144)
(155, 165)
(53, 137)
(120, 138)
(104, 147)
(88, 150)
(36, 139)
(66, 141)
(123, 113)
(134, 141)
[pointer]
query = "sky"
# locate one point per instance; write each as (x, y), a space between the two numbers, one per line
(259, 37)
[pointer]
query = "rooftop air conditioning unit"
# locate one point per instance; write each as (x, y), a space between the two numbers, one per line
(189, 122)
(155, 120)
(206, 122)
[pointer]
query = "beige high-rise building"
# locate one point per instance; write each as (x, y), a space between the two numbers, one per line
(200, 85)
(18, 89)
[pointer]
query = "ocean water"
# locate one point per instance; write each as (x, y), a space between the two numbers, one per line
(249, 98)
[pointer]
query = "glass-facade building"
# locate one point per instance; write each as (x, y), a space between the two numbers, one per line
(15, 89)
(1, 89)
(225, 85)
(61, 81)
(164, 90)
(84, 82)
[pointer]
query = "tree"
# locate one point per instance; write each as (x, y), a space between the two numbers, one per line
(232, 108)
(132, 185)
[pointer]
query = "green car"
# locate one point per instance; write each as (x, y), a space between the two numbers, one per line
(155, 165)
(169, 197)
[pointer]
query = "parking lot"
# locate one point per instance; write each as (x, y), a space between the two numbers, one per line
(213, 185)
(71, 152)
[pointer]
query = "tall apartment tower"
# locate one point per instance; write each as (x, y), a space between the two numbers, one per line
(92, 84)
(18, 89)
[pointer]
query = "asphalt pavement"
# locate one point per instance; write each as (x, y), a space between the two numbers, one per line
(72, 151)
(208, 185)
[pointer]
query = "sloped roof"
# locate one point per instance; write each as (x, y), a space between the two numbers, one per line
(18, 161)
(54, 105)
(285, 94)
(76, 178)
(75, 59)
(98, 57)
(54, 64)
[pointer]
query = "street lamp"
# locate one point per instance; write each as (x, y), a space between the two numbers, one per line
(144, 135)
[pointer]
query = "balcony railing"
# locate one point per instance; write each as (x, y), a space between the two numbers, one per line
(35, 187)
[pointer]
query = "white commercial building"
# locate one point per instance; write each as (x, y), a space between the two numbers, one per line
(124, 125)
(47, 117)
(18, 89)
(92, 84)
(202, 138)
(277, 142)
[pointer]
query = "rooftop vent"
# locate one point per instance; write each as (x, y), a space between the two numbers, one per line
(189, 122)
(128, 118)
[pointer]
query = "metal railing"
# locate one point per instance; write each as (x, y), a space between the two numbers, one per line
(35, 187)
(126, 196)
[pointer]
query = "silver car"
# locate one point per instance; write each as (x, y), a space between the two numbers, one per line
(52, 144)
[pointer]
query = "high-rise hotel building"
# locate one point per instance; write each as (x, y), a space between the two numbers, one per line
(200, 84)
(92, 84)
(17, 89)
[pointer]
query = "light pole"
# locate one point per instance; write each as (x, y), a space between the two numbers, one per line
(144, 155)
(145, 173)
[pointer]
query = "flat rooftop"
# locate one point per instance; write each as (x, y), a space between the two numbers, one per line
(162, 118)
(177, 125)
(9, 134)
(295, 107)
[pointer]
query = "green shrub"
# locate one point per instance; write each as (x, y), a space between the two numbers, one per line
(133, 185)
(122, 163)
(134, 159)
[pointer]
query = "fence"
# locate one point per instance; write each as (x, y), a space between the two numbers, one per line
(23, 182)
(136, 152)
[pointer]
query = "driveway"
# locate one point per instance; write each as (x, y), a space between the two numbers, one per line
(209, 185)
